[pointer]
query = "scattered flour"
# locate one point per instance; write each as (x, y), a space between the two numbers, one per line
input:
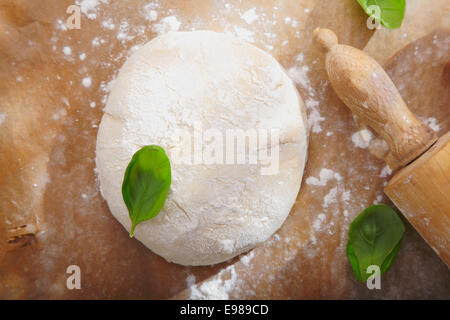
(214, 289)
(378, 199)
(247, 258)
(314, 119)
(60, 114)
(362, 138)
(108, 24)
(67, 50)
(123, 33)
(150, 13)
(385, 172)
(325, 175)
(330, 197)
(89, 7)
(250, 16)
(60, 25)
(96, 41)
(346, 195)
(432, 123)
(86, 82)
(244, 34)
(82, 56)
(167, 24)
(299, 74)
(318, 222)
(2, 118)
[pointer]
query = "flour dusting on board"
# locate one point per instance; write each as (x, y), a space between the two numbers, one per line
(217, 288)
(385, 172)
(250, 16)
(167, 24)
(245, 259)
(432, 123)
(362, 138)
(324, 176)
(299, 73)
(89, 7)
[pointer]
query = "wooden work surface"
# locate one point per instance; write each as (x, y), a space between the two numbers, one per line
(49, 122)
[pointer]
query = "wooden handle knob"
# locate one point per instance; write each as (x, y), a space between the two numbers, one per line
(363, 85)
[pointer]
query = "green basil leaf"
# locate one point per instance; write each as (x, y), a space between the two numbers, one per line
(391, 12)
(353, 261)
(146, 183)
(390, 258)
(374, 238)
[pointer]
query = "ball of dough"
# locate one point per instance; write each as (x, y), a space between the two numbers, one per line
(204, 82)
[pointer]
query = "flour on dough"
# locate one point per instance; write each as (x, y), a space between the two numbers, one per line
(213, 212)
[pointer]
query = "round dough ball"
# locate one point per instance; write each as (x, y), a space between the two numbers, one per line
(204, 82)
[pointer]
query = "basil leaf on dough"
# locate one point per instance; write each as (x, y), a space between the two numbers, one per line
(374, 238)
(392, 12)
(146, 183)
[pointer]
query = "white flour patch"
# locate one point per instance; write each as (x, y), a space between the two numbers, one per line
(432, 123)
(362, 138)
(299, 74)
(330, 197)
(108, 24)
(318, 222)
(86, 82)
(60, 25)
(250, 16)
(346, 195)
(385, 172)
(82, 56)
(244, 34)
(314, 120)
(89, 7)
(123, 34)
(217, 288)
(67, 51)
(247, 258)
(2, 118)
(96, 42)
(151, 15)
(61, 113)
(378, 199)
(325, 175)
(167, 24)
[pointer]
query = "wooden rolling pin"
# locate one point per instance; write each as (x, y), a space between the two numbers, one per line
(421, 186)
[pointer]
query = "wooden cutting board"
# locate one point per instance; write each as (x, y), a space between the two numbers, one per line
(48, 132)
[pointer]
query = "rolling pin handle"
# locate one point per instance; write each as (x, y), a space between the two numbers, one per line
(325, 39)
(366, 89)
